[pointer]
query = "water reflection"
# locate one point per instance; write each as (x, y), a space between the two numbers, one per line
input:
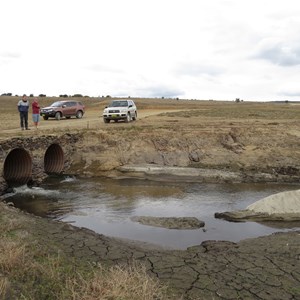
(106, 206)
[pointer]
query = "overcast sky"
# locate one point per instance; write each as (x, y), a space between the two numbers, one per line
(194, 49)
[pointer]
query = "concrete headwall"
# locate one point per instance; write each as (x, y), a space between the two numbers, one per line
(29, 160)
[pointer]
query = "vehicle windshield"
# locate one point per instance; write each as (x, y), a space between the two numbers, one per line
(57, 104)
(118, 104)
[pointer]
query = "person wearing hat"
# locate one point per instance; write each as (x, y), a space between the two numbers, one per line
(23, 107)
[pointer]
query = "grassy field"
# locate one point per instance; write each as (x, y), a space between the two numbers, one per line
(191, 112)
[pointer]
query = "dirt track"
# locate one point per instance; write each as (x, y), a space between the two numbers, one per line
(92, 120)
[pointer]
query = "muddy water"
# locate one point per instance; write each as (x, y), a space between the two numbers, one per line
(106, 206)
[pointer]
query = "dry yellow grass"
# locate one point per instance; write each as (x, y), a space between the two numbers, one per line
(12, 255)
(128, 282)
(4, 286)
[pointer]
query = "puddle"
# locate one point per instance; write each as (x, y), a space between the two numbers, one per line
(107, 206)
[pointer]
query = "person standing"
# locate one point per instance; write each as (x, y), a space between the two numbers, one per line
(35, 112)
(23, 107)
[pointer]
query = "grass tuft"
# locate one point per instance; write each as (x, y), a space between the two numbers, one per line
(4, 287)
(118, 282)
(12, 255)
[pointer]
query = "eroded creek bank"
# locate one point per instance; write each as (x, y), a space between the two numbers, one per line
(234, 155)
(206, 157)
(231, 156)
(252, 157)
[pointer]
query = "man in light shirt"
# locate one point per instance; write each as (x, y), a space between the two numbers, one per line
(23, 107)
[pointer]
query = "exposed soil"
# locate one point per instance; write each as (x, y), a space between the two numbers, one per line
(256, 141)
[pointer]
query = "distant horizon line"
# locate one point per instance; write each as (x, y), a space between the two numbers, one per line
(143, 97)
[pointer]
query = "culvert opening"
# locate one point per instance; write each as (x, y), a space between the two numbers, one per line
(17, 167)
(54, 159)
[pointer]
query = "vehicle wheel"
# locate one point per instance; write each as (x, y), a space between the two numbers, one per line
(79, 114)
(128, 119)
(45, 118)
(58, 116)
(135, 116)
(106, 120)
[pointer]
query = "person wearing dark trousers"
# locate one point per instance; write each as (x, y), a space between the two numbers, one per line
(23, 107)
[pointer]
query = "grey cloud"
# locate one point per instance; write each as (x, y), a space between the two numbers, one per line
(290, 93)
(103, 68)
(196, 69)
(10, 55)
(280, 55)
(159, 91)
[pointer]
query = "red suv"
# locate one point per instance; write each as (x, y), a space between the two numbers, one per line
(61, 109)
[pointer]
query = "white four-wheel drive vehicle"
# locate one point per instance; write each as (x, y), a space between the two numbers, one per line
(120, 110)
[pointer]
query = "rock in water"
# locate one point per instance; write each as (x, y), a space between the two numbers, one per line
(170, 222)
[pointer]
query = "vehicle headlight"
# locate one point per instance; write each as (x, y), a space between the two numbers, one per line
(123, 110)
(105, 111)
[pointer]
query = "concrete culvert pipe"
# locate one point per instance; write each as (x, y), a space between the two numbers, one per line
(54, 159)
(17, 167)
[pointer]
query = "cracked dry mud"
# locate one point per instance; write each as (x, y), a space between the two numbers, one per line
(262, 268)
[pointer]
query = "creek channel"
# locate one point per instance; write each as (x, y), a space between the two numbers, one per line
(107, 205)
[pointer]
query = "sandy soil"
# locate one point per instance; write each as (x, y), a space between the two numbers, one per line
(285, 202)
